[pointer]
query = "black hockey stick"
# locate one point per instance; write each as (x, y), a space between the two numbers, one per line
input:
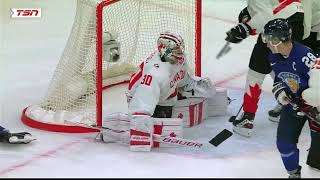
(308, 114)
(233, 118)
(215, 141)
(225, 49)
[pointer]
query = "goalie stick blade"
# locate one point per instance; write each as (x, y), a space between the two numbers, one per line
(221, 137)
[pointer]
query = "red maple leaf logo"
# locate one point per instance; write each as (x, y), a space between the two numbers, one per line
(255, 91)
(180, 116)
(250, 103)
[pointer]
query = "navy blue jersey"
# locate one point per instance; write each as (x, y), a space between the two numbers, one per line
(293, 71)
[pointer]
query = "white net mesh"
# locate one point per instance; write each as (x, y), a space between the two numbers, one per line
(137, 25)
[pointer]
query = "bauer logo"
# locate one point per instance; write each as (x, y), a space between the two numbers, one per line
(25, 13)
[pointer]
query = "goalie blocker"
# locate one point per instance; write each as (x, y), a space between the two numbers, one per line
(194, 110)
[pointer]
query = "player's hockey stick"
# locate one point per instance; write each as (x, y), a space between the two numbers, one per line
(308, 114)
(233, 118)
(225, 49)
(215, 141)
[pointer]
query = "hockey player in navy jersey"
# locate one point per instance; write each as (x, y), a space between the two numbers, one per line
(15, 138)
(296, 87)
(303, 16)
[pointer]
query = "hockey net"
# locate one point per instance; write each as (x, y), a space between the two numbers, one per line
(101, 29)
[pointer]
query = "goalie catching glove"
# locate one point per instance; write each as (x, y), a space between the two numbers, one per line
(198, 87)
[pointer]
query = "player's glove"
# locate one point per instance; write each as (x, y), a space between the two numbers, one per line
(238, 33)
(281, 94)
(244, 16)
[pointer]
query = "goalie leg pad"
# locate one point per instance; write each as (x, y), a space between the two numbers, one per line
(117, 129)
(141, 130)
(167, 127)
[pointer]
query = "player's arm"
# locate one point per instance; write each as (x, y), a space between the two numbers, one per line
(253, 18)
(248, 20)
(263, 11)
(312, 94)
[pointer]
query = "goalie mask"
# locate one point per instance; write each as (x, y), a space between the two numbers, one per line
(171, 48)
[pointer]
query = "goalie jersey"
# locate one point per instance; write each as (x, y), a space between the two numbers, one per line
(155, 83)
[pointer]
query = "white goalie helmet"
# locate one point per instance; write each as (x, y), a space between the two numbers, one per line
(171, 47)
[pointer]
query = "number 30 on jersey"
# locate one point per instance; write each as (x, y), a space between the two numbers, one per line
(147, 79)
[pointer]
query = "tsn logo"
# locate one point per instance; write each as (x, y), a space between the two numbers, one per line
(25, 13)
